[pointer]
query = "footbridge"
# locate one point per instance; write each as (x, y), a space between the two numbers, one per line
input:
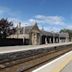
(30, 58)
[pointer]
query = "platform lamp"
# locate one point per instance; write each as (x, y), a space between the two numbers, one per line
(24, 34)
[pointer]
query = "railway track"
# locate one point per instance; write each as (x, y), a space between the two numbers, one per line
(31, 63)
(46, 59)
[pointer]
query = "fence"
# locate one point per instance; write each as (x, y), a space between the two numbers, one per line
(13, 42)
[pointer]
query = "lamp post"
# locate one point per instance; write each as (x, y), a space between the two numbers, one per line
(18, 29)
(24, 35)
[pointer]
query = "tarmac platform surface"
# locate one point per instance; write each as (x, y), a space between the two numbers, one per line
(9, 49)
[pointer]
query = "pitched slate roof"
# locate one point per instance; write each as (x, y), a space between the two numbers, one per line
(46, 33)
(43, 32)
(26, 29)
(63, 34)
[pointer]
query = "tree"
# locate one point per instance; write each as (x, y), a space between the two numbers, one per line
(5, 28)
(67, 31)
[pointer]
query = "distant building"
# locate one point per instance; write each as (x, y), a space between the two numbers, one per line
(35, 36)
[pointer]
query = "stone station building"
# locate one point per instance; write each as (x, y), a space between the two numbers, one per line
(35, 36)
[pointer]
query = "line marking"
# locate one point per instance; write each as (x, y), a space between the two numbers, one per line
(56, 65)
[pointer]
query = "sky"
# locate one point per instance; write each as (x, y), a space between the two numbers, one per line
(51, 15)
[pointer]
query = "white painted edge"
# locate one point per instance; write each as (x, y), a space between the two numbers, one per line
(56, 61)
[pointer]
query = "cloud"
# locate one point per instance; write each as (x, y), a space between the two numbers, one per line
(58, 20)
(17, 21)
(14, 20)
(12, 15)
(49, 23)
(31, 20)
(6, 12)
(3, 11)
(68, 26)
(41, 23)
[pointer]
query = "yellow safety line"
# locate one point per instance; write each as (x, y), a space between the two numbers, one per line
(62, 64)
(56, 65)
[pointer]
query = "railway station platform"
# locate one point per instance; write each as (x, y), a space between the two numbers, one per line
(61, 64)
(34, 57)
